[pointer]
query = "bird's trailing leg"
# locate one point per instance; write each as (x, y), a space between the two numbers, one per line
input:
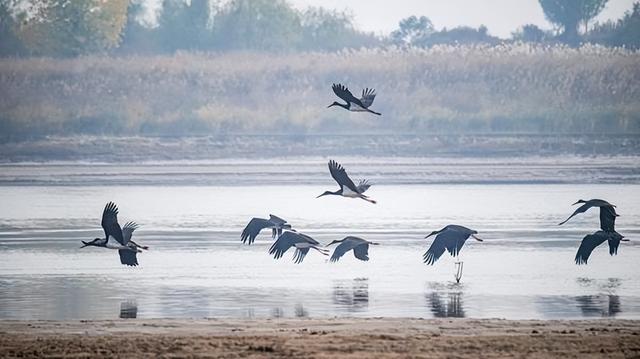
(139, 246)
(458, 275)
(368, 199)
(322, 250)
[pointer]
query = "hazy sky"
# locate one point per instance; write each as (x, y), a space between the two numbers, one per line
(500, 16)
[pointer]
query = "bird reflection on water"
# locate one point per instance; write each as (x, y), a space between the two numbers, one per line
(599, 305)
(128, 310)
(606, 304)
(446, 305)
(352, 295)
(445, 300)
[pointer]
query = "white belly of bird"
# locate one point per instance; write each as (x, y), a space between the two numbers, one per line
(346, 192)
(303, 245)
(356, 108)
(112, 243)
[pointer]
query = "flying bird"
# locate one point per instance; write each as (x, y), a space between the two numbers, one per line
(353, 104)
(347, 187)
(591, 241)
(450, 238)
(607, 213)
(359, 246)
(116, 237)
(301, 242)
(255, 225)
(607, 233)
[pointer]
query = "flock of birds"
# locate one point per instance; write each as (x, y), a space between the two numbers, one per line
(451, 238)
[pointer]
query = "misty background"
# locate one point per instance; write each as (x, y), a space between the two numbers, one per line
(255, 68)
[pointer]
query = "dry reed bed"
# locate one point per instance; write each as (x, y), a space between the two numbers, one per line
(447, 88)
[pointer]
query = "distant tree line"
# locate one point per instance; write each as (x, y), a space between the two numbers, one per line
(64, 28)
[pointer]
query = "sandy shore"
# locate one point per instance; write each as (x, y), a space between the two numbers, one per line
(352, 338)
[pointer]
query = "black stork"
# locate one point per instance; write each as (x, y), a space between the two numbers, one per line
(301, 242)
(255, 225)
(591, 241)
(606, 233)
(347, 187)
(353, 104)
(116, 237)
(607, 212)
(450, 238)
(359, 246)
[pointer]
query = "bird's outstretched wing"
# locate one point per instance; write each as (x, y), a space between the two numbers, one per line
(608, 218)
(368, 95)
(361, 251)
(283, 243)
(344, 93)
(253, 228)
(450, 240)
(342, 248)
(127, 231)
(110, 223)
(299, 254)
(363, 186)
(580, 209)
(340, 175)
(454, 240)
(128, 257)
(435, 251)
(589, 243)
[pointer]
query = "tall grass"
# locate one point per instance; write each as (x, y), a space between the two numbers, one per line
(510, 88)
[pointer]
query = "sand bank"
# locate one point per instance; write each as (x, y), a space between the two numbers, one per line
(352, 338)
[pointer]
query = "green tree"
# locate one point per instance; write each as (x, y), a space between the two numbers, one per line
(270, 25)
(331, 30)
(9, 20)
(138, 36)
(568, 14)
(629, 28)
(530, 33)
(73, 27)
(412, 31)
(184, 25)
(461, 35)
(624, 32)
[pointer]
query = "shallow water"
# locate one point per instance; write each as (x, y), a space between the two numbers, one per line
(197, 267)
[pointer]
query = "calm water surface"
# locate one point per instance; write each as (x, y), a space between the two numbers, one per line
(197, 267)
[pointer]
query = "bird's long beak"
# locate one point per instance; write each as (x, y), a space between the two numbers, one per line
(333, 104)
(575, 203)
(324, 194)
(431, 234)
(84, 244)
(477, 239)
